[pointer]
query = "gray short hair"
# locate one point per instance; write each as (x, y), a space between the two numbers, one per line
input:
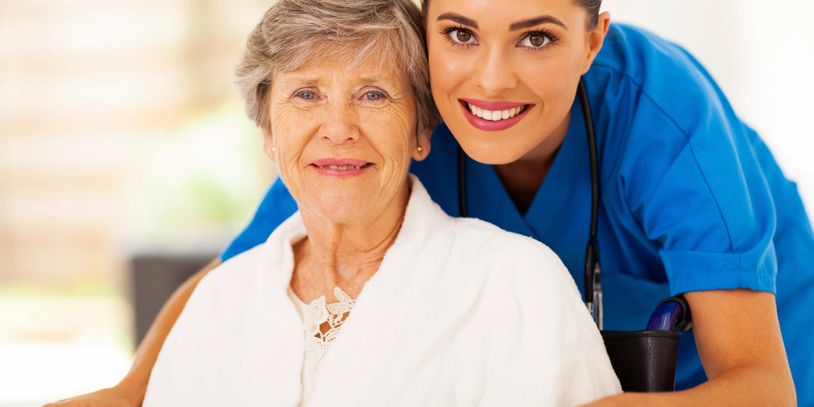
(294, 32)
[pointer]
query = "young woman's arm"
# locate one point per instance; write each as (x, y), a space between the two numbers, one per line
(738, 338)
(130, 390)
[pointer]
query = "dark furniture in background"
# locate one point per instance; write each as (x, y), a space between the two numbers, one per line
(153, 278)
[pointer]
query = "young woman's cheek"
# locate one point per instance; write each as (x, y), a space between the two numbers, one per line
(448, 67)
(452, 67)
(551, 80)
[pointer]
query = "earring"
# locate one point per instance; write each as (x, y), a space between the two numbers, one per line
(420, 149)
(273, 149)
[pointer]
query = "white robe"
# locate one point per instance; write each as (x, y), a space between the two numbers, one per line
(460, 313)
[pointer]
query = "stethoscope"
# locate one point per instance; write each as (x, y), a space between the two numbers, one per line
(669, 312)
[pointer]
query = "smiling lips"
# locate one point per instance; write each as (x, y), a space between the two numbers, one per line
(339, 167)
(493, 116)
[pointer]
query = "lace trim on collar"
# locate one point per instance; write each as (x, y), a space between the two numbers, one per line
(323, 321)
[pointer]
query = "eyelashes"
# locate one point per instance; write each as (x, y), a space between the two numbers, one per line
(545, 38)
(453, 34)
(535, 40)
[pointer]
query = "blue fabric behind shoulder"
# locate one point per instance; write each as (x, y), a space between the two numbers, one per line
(276, 207)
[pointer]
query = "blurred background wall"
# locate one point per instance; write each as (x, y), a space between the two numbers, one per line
(121, 133)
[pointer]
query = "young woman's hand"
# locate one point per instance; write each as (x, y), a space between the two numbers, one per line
(116, 396)
(623, 400)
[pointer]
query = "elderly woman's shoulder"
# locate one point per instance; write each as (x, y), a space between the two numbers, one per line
(506, 250)
(497, 239)
(517, 275)
(235, 273)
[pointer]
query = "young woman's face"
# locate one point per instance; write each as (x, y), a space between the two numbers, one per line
(504, 73)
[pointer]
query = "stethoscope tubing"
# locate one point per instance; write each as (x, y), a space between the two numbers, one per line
(592, 285)
(671, 314)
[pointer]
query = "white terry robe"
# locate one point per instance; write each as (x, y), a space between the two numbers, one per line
(460, 313)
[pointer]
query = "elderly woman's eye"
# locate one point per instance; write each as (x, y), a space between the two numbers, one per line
(306, 95)
(537, 40)
(374, 95)
(460, 36)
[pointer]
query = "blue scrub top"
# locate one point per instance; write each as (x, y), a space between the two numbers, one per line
(691, 198)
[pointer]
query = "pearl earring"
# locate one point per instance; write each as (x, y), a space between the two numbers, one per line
(420, 149)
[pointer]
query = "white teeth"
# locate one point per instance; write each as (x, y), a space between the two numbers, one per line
(494, 115)
(343, 167)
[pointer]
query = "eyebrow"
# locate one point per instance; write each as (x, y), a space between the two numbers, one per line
(536, 21)
(458, 19)
(368, 80)
(302, 81)
(455, 17)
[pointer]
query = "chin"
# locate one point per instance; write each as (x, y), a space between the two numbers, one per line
(342, 207)
(489, 154)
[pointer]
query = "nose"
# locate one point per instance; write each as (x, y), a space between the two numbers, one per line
(340, 125)
(494, 73)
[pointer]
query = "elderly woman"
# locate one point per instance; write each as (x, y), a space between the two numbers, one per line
(370, 294)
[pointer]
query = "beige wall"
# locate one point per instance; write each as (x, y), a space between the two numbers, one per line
(90, 91)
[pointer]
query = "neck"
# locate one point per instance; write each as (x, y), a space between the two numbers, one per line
(344, 255)
(523, 177)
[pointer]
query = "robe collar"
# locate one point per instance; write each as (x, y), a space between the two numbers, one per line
(369, 339)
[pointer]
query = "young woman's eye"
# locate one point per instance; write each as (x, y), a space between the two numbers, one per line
(306, 94)
(460, 36)
(536, 40)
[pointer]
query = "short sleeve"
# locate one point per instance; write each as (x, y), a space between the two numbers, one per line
(695, 185)
(277, 206)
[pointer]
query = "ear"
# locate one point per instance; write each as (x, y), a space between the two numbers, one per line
(596, 37)
(422, 140)
(268, 145)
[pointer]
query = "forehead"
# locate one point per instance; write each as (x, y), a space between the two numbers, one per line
(343, 69)
(495, 13)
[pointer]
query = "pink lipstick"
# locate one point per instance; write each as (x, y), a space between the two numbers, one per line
(494, 116)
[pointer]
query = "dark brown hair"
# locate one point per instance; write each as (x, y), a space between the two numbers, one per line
(591, 8)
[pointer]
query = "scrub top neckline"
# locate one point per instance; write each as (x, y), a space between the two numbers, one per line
(549, 199)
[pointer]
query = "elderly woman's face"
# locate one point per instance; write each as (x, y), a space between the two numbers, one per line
(343, 137)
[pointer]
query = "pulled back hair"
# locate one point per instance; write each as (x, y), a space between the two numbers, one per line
(591, 9)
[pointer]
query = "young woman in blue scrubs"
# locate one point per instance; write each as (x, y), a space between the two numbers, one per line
(692, 201)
